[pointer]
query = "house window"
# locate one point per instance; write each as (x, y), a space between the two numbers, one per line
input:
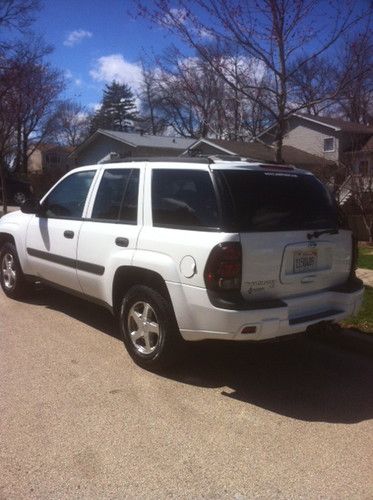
(329, 144)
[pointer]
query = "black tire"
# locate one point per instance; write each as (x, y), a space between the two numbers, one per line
(19, 198)
(152, 351)
(12, 279)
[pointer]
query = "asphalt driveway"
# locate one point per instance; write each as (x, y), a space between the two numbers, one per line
(79, 420)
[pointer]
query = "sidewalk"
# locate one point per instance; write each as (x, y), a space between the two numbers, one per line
(366, 275)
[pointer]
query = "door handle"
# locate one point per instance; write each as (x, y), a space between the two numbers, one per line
(122, 242)
(69, 234)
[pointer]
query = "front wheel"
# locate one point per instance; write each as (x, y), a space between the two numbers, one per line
(19, 198)
(149, 328)
(12, 279)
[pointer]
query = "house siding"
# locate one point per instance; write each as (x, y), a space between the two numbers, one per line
(101, 147)
(308, 137)
(34, 164)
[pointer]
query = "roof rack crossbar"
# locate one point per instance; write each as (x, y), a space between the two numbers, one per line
(176, 159)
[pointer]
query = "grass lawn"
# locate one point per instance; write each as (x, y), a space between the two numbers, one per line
(364, 320)
(365, 257)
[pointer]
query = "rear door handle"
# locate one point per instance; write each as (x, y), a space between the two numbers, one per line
(69, 234)
(122, 242)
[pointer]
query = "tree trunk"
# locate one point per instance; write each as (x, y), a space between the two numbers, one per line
(279, 140)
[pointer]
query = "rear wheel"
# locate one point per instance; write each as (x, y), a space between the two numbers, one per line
(12, 279)
(149, 328)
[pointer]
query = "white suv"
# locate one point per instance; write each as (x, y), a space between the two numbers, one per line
(188, 250)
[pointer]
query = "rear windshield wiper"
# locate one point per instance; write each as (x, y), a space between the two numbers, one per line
(316, 234)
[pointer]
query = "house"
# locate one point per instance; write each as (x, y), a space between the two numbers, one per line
(45, 158)
(257, 151)
(328, 138)
(104, 142)
(46, 164)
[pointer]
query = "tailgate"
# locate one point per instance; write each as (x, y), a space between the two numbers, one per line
(280, 265)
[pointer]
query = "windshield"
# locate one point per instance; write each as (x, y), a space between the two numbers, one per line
(275, 201)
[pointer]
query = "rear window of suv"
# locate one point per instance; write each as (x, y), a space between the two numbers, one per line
(273, 201)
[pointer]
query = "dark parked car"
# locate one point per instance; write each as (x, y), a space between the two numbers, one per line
(17, 191)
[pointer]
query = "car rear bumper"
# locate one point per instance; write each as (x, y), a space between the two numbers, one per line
(200, 320)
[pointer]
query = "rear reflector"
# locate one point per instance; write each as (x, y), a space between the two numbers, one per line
(249, 329)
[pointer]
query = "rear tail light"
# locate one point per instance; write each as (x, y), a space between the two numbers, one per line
(354, 256)
(224, 267)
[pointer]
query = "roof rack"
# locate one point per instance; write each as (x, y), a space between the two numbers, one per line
(115, 158)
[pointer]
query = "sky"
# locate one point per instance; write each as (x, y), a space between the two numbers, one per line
(96, 41)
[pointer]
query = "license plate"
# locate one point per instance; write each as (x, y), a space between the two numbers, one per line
(304, 261)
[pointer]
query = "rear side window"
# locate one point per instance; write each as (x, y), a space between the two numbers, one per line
(68, 198)
(184, 199)
(117, 196)
(271, 201)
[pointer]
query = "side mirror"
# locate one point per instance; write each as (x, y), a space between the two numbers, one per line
(31, 206)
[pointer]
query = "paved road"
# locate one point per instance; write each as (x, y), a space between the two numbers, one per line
(79, 420)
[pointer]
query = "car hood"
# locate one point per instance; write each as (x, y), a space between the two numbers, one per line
(11, 217)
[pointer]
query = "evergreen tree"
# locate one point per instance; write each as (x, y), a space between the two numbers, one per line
(117, 106)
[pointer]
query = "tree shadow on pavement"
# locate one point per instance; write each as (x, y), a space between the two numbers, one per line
(304, 379)
(311, 379)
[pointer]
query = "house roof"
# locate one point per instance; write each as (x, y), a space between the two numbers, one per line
(140, 140)
(336, 124)
(261, 152)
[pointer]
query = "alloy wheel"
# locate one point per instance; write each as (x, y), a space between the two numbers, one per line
(143, 328)
(9, 271)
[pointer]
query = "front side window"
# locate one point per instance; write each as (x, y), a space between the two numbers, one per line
(117, 196)
(329, 144)
(68, 198)
(183, 199)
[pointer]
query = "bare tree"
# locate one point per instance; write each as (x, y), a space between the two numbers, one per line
(71, 123)
(34, 98)
(357, 191)
(356, 66)
(190, 96)
(283, 35)
(15, 16)
(151, 99)
(29, 89)
(312, 83)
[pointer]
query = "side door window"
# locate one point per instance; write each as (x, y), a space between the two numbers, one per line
(117, 196)
(68, 198)
(184, 199)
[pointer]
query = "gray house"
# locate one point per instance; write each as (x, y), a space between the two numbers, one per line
(328, 138)
(103, 142)
(258, 151)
